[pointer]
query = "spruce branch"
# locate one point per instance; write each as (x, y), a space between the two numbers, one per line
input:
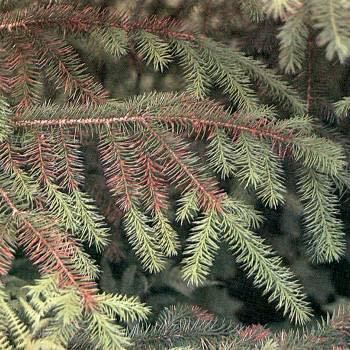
(64, 66)
(342, 108)
(218, 149)
(188, 207)
(202, 246)
(46, 246)
(145, 145)
(231, 78)
(330, 17)
(324, 229)
(272, 84)
(293, 41)
(183, 167)
(8, 245)
(88, 224)
(38, 150)
(21, 182)
(253, 9)
(76, 19)
(51, 317)
(26, 83)
(263, 265)
(159, 41)
(148, 133)
(199, 117)
(116, 157)
(5, 113)
(155, 191)
(113, 41)
(177, 326)
(271, 188)
(19, 329)
(281, 8)
(321, 154)
(194, 68)
(183, 327)
(153, 50)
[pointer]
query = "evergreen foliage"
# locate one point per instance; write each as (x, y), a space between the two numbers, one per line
(145, 149)
(51, 317)
(193, 328)
(327, 17)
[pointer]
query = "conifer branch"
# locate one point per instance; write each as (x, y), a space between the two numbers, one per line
(88, 223)
(194, 68)
(8, 245)
(281, 8)
(40, 157)
(253, 9)
(52, 318)
(116, 157)
(263, 266)
(64, 66)
(5, 113)
(84, 20)
(183, 327)
(145, 148)
(155, 189)
(293, 41)
(325, 235)
(342, 108)
(330, 17)
(155, 41)
(123, 165)
(199, 116)
(46, 247)
(10, 160)
(180, 168)
(25, 86)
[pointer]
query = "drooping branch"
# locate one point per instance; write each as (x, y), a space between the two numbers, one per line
(7, 251)
(25, 83)
(69, 168)
(119, 163)
(62, 62)
(47, 247)
(11, 164)
(182, 169)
